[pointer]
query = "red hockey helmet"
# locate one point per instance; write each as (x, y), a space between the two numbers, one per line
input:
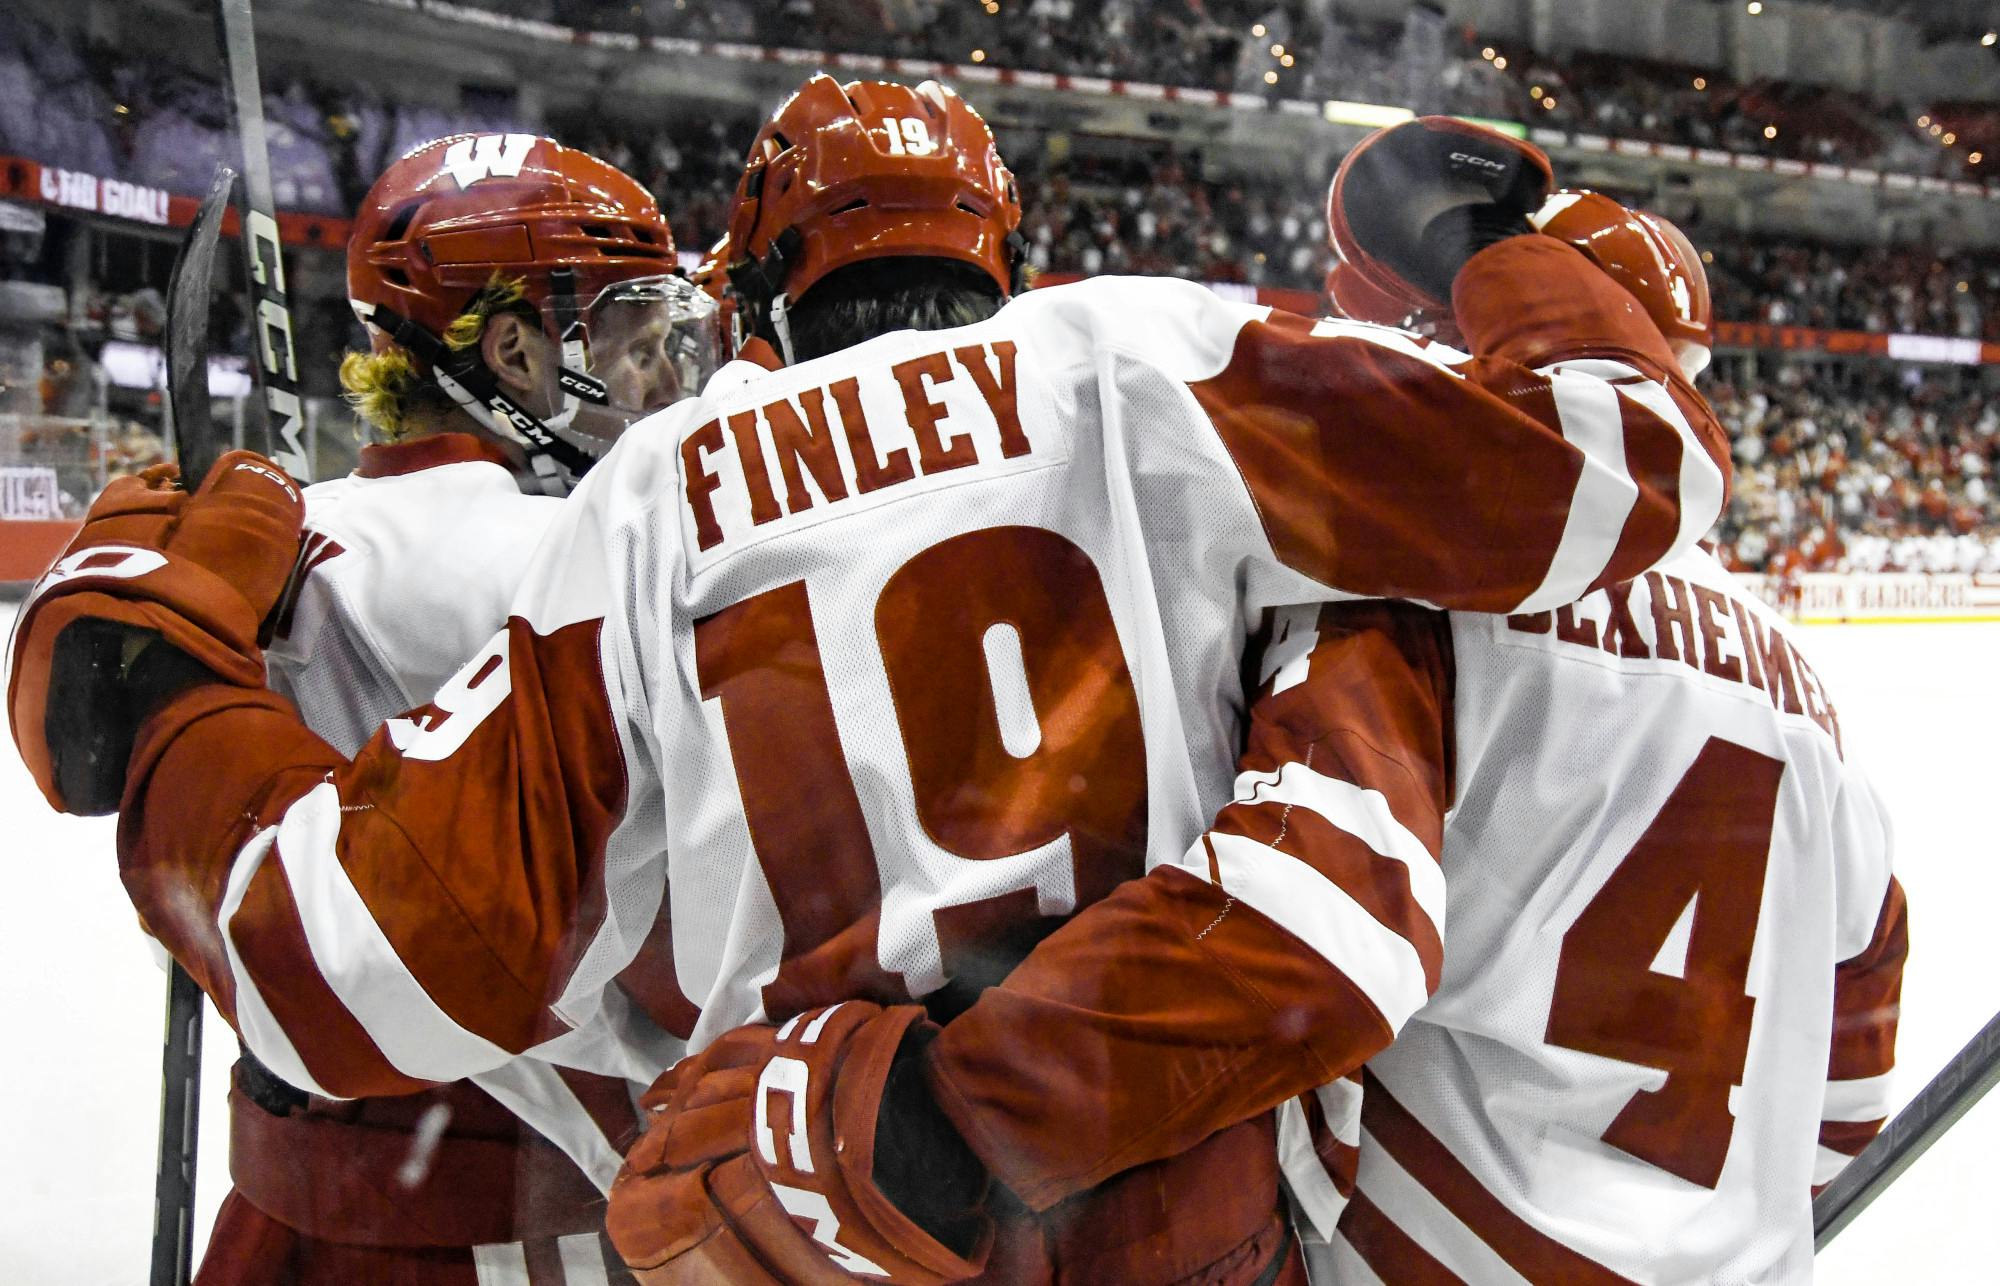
(595, 259)
(1649, 257)
(1350, 295)
(870, 170)
(446, 216)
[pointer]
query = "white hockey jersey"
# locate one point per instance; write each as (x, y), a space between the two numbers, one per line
(407, 567)
(1671, 957)
(856, 678)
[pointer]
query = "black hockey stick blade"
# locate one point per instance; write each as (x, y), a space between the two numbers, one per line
(197, 445)
(180, 1103)
(1937, 1107)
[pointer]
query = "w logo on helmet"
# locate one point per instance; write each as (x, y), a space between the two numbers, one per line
(471, 159)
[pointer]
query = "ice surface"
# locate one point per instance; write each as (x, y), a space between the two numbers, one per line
(79, 1076)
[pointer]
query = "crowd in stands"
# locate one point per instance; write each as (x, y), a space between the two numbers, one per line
(1304, 50)
(70, 102)
(1874, 470)
(1877, 474)
(1899, 290)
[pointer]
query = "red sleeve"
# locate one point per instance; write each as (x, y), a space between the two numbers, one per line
(1867, 1002)
(401, 919)
(1566, 454)
(1287, 947)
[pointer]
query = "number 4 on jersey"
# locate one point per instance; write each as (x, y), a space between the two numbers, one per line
(1703, 855)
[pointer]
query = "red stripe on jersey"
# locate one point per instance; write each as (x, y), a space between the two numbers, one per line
(1421, 468)
(1380, 473)
(271, 942)
(399, 811)
(1849, 1137)
(1393, 1254)
(1340, 1160)
(1374, 710)
(1531, 1252)
(1653, 451)
(1381, 885)
(1868, 996)
(1166, 1012)
(544, 1262)
(607, 1101)
(652, 981)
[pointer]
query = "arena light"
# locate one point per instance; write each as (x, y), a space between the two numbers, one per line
(1923, 121)
(1976, 157)
(1487, 53)
(1288, 60)
(1365, 115)
(1258, 31)
(1770, 131)
(1754, 8)
(979, 55)
(1701, 82)
(1535, 92)
(1549, 102)
(1270, 78)
(1277, 51)
(1501, 62)
(1949, 139)
(1989, 38)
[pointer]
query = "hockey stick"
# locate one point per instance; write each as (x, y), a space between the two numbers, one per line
(196, 447)
(277, 364)
(1936, 1108)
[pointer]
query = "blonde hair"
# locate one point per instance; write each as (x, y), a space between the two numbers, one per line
(387, 390)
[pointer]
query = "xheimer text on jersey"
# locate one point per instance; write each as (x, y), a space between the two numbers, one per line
(1662, 617)
(853, 442)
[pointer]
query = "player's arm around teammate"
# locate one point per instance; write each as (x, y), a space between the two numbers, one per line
(433, 895)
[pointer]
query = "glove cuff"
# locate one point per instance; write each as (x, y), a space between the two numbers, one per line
(866, 1066)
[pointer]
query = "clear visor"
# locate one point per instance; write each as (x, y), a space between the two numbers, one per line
(640, 346)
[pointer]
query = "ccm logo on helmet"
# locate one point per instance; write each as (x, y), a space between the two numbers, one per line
(1467, 158)
(471, 159)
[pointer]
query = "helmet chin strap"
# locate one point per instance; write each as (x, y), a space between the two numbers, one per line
(477, 391)
(781, 326)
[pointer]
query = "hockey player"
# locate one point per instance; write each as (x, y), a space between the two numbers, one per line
(481, 247)
(1674, 943)
(732, 701)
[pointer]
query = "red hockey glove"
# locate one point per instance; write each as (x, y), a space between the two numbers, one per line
(1413, 202)
(158, 590)
(760, 1164)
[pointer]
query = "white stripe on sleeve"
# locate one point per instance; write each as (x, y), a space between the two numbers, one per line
(1701, 480)
(1305, 1174)
(504, 1263)
(531, 1090)
(1827, 1164)
(359, 964)
(254, 1019)
(1865, 1099)
(1592, 421)
(1375, 958)
(582, 1260)
(1341, 1102)
(1365, 814)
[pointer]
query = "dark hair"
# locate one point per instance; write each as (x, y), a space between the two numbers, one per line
(877, 296)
